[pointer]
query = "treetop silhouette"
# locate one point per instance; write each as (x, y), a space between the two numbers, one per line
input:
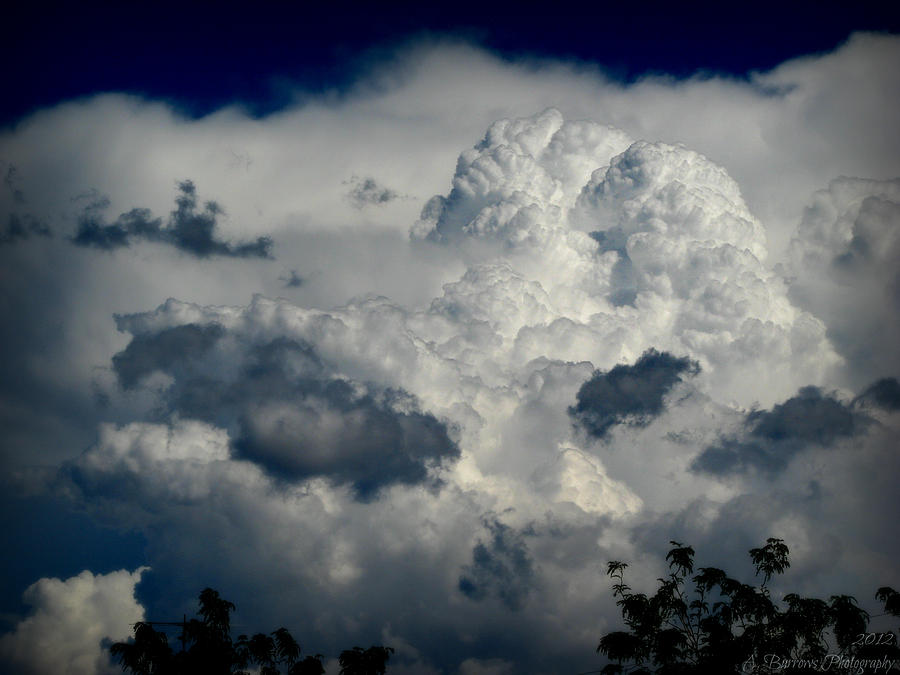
(725, 626)
(208, 649)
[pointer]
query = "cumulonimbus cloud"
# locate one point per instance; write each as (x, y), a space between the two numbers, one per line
(638, 260)
(600, 274)
(408, 466)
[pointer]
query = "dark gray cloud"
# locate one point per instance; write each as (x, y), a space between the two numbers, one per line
(629, 394)
(287, 411)
(885, 394)
(189, 229)
(163, 351)
(502, 567)
(137, 223)
(810, 417)
(19, 226)
(771, 438)
(293, 280)
(10, 179)
(358, 440)
(367, 191)
(22, 227)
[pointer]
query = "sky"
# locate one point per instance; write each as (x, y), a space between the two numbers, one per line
(395, 325)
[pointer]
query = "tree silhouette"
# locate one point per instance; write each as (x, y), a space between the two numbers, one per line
(359, 661)
(725, 626)
(148, 654)
(209, 650)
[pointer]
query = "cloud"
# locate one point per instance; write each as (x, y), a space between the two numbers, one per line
(601, 224)
(772, 437)
(188, 230)
(584, 223)
(130, 467)
(501, 568)
(510, 185)
(334, 425)
(163, 351)
(629, 394)
(22, 227)
(330, 430)
(212, 514)
(294, 280)
(844, 260)
(71, 623)
(10, 180)
(367, 191)
(817, 501)
(288, 410)
(19, 226)
(486, 667)
(885, 393)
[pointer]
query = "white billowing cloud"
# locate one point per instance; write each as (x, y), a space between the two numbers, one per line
(579, 478)
(696, 258)
(523, 171)
(654, 246)
(655, 186)
(70, 622)
(152, 451)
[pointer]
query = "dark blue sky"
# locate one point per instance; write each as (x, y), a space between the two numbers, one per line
(202, 55)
